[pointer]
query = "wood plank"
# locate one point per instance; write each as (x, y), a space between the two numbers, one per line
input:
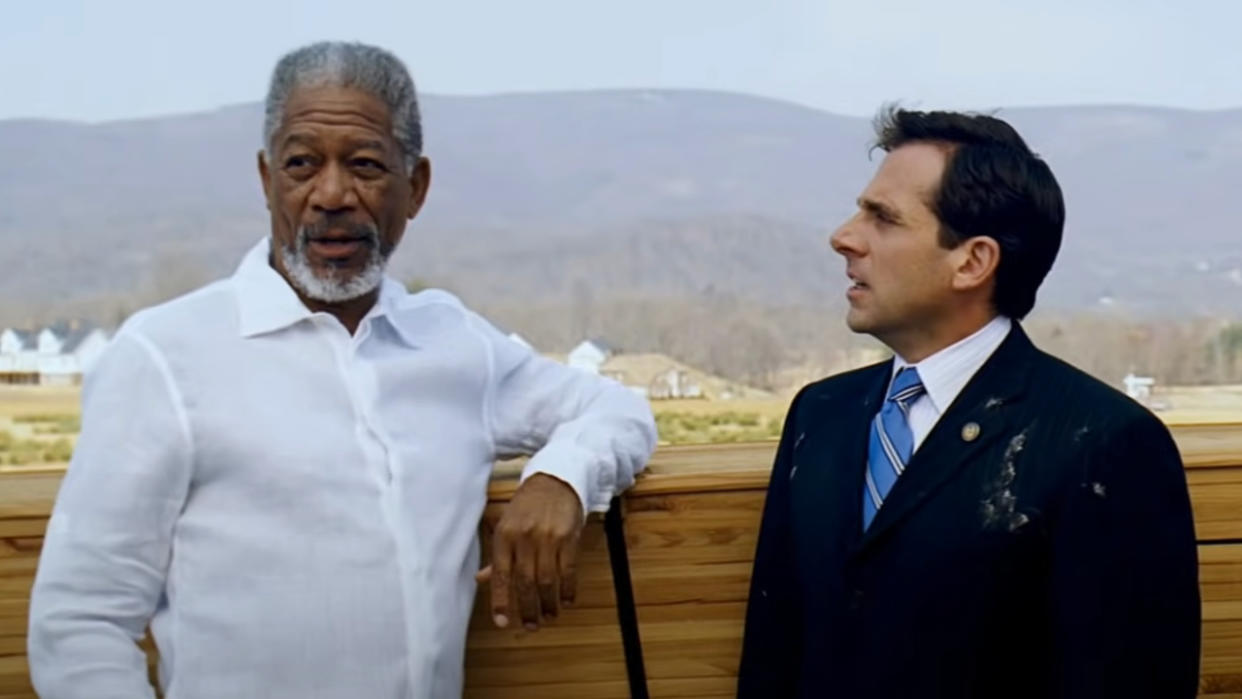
(1216, 495)
(583, 663)
(610, 689)
(1220, 572)
(14, 607)
(18, 565)
(29, 493)
(579, 652)
(1201, 445)
(15, 677)
(1220, 579)
(698, 687)
(1209, 445)
(22, 527)
(690, 560)
(691, 524)
(709, 468)
(673, 469)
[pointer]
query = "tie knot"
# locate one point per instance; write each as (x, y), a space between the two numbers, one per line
(906, 386)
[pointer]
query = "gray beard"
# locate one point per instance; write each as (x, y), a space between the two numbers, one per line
(330, 286)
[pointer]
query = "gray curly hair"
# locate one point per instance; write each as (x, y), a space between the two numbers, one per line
(368, 68)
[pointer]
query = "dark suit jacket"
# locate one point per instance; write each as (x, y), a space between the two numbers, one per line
(1052, 556)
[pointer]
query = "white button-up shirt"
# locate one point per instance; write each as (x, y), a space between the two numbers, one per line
(945, 373)
(295, 509)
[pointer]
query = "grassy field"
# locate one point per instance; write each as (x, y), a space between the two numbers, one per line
(38, 424)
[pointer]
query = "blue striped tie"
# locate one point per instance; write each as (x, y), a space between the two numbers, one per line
(891, 442)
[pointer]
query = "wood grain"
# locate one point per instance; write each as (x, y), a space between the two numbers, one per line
(582, 649)
(691, 524)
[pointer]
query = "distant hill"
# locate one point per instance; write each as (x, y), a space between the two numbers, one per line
(650, 193)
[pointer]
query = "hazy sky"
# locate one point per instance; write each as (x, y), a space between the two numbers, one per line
(111, 59)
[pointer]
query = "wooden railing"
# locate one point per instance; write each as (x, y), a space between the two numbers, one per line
(689, 529)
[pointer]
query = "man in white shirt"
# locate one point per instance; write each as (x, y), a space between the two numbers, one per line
(975, 518)
(283, 472)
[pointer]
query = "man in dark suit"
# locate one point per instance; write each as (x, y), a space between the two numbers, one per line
(973, 519)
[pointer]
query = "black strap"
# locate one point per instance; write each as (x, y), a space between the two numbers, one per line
(627, 611)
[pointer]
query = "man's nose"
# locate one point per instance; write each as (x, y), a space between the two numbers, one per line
(333, 190)
(845, 239)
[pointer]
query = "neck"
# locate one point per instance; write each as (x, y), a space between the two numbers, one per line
(916, 344)
(350, 312)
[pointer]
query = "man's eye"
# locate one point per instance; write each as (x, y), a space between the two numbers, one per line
(297, 161)
(369, 164)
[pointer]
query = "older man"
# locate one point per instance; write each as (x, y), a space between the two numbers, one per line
(282, 473)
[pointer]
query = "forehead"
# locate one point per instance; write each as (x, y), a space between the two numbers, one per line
(317, 112)
(909, 176)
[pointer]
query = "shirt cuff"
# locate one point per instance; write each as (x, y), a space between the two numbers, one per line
(576, 467)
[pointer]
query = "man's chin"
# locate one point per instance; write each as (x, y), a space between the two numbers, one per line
(858, 322)
(336, 285)
(335, 293)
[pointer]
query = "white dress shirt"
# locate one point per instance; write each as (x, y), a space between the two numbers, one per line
(292, 508)
(946, 373)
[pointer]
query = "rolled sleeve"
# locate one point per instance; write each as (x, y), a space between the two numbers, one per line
(586, 430)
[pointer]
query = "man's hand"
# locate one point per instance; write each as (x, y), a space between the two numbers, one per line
(534, 552)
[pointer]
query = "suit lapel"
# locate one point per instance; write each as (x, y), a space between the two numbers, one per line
(855, 431)
(985, 404)
(827, 452)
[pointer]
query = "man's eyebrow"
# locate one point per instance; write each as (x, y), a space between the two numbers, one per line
(296, 139)
(880, 208)
(368, 144)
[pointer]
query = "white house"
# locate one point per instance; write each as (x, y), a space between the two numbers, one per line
(674, 383)
(77, 353)
(14, 342)
(59, 354)
(590, 355)
(51, 340)
(1139, 387)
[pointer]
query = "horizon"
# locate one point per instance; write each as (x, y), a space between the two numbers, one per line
(671, 90)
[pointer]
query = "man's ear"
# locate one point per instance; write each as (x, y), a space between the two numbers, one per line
(420, 182)
(975, 263)
(263, 179)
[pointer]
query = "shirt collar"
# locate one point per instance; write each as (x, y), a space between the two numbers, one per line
(946, 373)
(267, 303)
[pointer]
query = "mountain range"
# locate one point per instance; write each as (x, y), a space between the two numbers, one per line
(539, 198)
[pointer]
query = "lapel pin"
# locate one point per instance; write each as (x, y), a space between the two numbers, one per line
(970, 431)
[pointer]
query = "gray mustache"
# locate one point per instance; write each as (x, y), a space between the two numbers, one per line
(355, 230)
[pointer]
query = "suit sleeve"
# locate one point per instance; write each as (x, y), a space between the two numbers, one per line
(772, 644)
(1125, 591)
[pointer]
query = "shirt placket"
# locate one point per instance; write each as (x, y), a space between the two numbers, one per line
(357, 377)
(361, 383)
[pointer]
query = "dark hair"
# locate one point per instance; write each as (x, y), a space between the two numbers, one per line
(993, 186)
